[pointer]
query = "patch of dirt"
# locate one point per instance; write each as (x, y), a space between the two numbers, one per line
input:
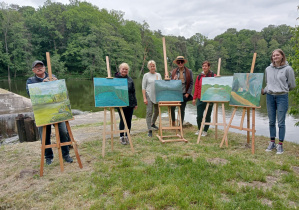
(270, 182)
(267, 202)
(28, 173)
(295, 169)
(218, 161)
(149, 161)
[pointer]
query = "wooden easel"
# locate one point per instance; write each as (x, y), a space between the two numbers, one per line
(58, 143)
(169, 104)
(245, 109)
(215, 114)
(113, 127)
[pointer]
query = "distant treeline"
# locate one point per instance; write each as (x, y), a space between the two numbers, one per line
(79, 35)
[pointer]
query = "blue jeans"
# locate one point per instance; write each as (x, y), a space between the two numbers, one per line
(64, 137)
(277, 105)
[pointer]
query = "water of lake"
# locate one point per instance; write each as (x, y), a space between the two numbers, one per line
(81, 94)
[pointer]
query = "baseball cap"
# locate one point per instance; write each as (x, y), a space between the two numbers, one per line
(37, 62)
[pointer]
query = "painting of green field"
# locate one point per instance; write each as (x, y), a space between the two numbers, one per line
(50, 102)
(246, 89)
(168, 90)
(216, 89)
(111, 92)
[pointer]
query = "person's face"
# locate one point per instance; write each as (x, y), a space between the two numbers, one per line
(152, 68)
(277, 57)
(123, 71)
(180, 63)
(205, 68)
(39, 69)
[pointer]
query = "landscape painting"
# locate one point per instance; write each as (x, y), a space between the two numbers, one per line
(168, 90)
(50, 102)
(246, 89)
(217, 89)
(111, 92)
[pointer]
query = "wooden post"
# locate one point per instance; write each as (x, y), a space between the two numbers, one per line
(21, 128)
(108, 68)
(30, 129)
(49, 66)
(165, 60)
(219, 65)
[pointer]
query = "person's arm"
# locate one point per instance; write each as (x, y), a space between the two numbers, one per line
(195, 91)
(144, 96)
(144, 84)
(189, 91)
(291, 78)
(264, 91)
(27, 83)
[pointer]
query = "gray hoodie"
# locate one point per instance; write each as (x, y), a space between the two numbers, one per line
(279, 80)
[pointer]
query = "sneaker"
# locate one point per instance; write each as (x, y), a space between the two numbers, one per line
(279, 149)
(126, 139)
(196, 133)
(155, 127)
(68, 159)
(271, 146)
(49, 161)
(123, 140)
(204, 133)
(150, 133)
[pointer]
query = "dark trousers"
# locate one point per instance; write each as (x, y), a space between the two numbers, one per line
(128, 112)
(201, 106)
(64, 137)
(183, 106)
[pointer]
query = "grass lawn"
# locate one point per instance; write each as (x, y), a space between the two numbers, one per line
(157, 176)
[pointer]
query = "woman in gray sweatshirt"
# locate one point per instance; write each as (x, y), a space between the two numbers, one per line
(280, 79)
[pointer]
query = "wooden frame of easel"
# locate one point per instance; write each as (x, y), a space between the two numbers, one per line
(58, 143)
(245, 109)
(215, 114)
(169, 104)
(113, 127)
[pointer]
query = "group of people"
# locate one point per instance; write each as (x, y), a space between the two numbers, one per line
(279, 77)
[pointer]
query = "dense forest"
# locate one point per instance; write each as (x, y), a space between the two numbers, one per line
(79, 36)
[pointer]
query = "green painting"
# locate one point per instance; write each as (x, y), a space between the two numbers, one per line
(111, 92)
(168, 90)
(246, 89)
(50, 102)
(216, 89)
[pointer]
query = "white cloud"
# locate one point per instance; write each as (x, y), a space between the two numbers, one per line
(210, 18)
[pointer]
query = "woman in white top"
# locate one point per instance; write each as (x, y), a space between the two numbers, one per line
(149, 96)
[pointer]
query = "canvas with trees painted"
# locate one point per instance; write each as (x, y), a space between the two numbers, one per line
(246, 89)
(50, 102)
(111, 92)
(168, 90)
(217, 89)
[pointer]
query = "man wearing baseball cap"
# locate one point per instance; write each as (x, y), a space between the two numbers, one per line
(40, 75)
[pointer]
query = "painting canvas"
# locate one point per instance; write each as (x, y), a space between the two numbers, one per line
(50, 102)
(168, 90)
(111, 92)
(216, 89)
(246, 89)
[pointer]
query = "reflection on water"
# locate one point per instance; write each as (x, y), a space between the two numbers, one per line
(81, 95)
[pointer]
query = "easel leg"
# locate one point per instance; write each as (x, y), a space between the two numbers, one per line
(253, 131)
(126, 128)
(74, 144)
(43, 151)
(180, 121)
(227, 128)
(216, 119)
(203, 122)
(58, 146)
(248, 125)
(224, 125)
(111, 126)
(104, 134)
(160, 121)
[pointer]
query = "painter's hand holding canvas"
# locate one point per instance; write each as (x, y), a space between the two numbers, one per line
(50, 102)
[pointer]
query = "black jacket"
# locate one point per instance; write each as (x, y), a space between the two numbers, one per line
(131, 89)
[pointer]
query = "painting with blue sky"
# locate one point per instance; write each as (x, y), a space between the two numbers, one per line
(50, 102)
(216, 89)
(168, 90)
(111, 92)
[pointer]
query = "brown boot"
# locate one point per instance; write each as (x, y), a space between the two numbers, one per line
(173, 123)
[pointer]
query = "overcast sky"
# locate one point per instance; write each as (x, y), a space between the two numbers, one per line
(208, 17)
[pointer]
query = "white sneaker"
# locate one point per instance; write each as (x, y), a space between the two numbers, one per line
(204, 133)
(197, 132)
(122, 140)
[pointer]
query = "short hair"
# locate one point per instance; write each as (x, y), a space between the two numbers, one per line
(207, 62)
(124, 65)
(150, 62)
(283, 60)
